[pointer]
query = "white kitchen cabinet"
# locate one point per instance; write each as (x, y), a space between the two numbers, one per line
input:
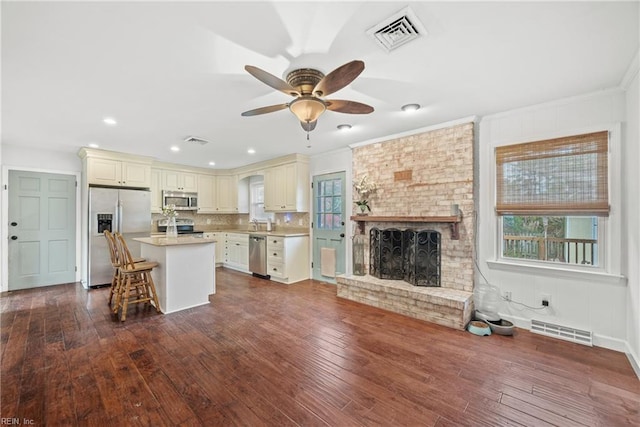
(227, 193)
(288, 258)
(156, 190)
(179, 181)
(220, 245)
(207, 202)
(101, 171)
(237, 251)
(286, 188)
(217, 194)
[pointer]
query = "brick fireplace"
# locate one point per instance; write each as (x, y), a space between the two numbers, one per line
(419, 178)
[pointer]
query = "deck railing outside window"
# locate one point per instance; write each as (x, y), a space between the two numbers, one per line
(570, 251)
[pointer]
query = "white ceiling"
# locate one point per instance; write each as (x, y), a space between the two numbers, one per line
(168, 70)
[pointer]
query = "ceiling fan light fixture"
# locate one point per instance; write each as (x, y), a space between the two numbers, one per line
(307, 108)
(410, 107)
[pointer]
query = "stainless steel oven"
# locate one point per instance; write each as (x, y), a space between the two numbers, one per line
(181, 201)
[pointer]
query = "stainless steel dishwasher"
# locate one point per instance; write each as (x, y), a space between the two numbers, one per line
(258, 255)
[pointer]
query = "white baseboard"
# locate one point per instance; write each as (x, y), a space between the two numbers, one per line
(634, 360)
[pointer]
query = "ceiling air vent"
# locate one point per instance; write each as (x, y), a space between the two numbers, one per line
(196, 140)
(397, 30)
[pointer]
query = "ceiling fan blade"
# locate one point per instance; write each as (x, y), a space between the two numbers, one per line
(348, 107)
(339, 78)
(309, 126)
(265, 110)
(271, 80)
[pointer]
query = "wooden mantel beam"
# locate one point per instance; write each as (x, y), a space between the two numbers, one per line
(453, 220)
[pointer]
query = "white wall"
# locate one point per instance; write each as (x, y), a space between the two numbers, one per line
(593, 302)
(631, 192)
(45, 160)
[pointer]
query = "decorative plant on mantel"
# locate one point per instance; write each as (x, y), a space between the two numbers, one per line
(365, 188)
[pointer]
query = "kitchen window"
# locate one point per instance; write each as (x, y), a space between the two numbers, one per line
(552, 197)
(256, 201)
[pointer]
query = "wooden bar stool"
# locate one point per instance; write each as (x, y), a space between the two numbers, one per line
(115, 263)
(135, 284)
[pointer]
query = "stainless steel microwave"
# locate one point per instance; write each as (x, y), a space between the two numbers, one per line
(181, 201)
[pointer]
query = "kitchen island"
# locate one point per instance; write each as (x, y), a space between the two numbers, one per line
(185, 275)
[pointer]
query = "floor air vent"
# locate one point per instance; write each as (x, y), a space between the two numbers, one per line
(397, 30)
(562, 332)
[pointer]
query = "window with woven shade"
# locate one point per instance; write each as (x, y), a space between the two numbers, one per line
(561, 176)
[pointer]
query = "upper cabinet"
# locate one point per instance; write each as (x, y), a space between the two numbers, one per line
(206, 194)
(286, 188)
(218, 194)
(116, 173)
(115, 170)
(179, 181)
(286, 181)
(156, 190)
(227, 193)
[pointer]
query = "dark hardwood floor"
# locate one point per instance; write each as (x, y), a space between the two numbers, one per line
(264, 353)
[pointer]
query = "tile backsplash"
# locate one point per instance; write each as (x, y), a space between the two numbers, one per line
(206, 222)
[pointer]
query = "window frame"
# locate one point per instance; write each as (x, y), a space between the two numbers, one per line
(609, 227)
(252, 216)
(602, 255)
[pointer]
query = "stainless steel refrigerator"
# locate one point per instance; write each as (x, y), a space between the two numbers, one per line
(116, 210)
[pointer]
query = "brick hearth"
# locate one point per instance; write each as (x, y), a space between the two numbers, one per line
(447, 307)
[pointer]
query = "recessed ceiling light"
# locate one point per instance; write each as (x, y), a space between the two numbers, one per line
(94, 145)
(344, 127)
(175, 148)
(212, 163)
(251, 151)
(110, 121)
(410, 107)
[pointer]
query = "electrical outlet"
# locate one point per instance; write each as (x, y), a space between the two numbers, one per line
(507, 295)
(545, 300)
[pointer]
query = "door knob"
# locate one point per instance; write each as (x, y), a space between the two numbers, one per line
(341, 234)
(14, 237)
(13, 224)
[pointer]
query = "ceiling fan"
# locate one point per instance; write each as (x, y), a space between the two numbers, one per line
(309, 87)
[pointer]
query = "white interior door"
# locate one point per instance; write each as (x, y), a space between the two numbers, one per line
(329, 222)
(42, 229)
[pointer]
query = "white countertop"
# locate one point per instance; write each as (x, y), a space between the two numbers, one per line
(176, 241)
(279, 233)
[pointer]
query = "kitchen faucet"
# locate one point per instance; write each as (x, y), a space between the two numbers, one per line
(255, 224)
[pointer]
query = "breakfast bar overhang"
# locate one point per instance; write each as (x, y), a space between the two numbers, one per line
(185, 276)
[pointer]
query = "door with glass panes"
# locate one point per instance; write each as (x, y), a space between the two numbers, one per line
(328, 226)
